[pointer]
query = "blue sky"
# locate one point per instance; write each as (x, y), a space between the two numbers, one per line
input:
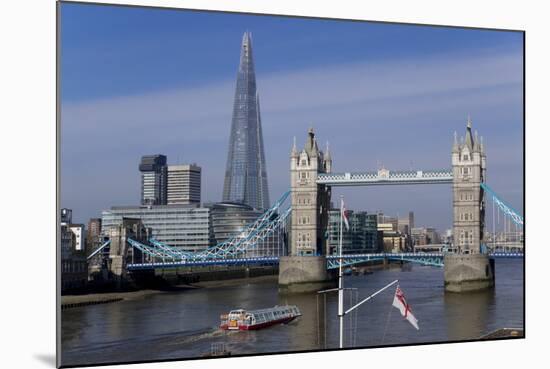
(137, 81)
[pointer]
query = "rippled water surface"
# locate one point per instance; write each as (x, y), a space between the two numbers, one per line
(184, 324)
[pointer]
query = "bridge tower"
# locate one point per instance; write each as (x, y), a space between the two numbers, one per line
(309, 201)
(119, 252)
(469, 168)
(469, 268)
(304, 268)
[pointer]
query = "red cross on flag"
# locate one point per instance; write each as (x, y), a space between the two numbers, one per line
(344, 215)
(401, 304)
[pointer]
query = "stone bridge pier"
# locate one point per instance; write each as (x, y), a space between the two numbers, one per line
(120, 252)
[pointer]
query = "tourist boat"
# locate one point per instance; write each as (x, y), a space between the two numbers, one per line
(256, 319)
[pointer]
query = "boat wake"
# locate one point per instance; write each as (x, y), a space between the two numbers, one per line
(213, 333)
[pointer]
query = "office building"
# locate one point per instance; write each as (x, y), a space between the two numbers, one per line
(79, 236)
(362, 236)
(186, 227)
(184, 184)
(66, 216)
(425, 236)
(153, 170)
(392, 240)
(93, 234)
(94, 227)
(386, 219)
(229, 220)
(74, 267)
(405, 225)
(245, 175)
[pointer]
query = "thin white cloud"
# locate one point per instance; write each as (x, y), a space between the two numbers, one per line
(368, 111)
(201, 110)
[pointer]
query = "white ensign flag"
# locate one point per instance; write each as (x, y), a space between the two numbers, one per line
(401, 304)
(344, 215)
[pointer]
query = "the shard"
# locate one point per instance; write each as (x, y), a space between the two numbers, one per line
(245, 173)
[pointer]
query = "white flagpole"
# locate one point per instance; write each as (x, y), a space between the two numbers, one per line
(371, 296)
(340, 279)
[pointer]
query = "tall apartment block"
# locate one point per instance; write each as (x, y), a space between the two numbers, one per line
(154, 173)
(184, 184)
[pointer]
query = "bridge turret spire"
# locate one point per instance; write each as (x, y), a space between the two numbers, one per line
(481, 145)
(328, 160)
(294, 151)
(455, 142)
(310, 143)
(469, 140)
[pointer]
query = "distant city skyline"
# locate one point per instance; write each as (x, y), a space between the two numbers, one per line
(381, 94)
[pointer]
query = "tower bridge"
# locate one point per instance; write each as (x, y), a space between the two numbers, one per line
(304, 262)
(312, 179)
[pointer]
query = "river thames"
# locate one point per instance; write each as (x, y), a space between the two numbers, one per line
(184, 324)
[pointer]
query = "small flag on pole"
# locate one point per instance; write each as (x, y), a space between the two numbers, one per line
(401, 304)
(344, 215)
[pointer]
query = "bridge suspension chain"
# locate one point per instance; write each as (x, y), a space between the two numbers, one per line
(240, 244)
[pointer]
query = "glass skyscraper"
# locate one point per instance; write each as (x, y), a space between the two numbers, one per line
(245, 174)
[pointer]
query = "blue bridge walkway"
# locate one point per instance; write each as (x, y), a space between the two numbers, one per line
(429, 259)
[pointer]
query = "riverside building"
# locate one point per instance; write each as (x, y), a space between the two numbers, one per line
(186, 227)
(362, 236)
(74, 267)
(230, 219)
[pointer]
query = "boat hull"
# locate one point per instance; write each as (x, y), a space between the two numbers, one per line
(253, 327)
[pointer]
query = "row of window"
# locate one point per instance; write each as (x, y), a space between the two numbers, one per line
(466, 216)
(68, 266)
(466, 237)
(467, 196)
(304, 200)
(304, 240)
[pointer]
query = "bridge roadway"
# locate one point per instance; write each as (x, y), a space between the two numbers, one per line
(430, 259)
